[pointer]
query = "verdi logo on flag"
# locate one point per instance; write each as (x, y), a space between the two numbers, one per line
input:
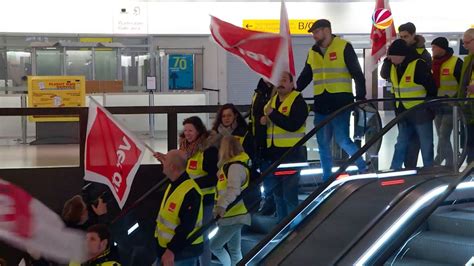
(112, 155)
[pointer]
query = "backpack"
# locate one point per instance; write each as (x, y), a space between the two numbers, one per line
(252, 196)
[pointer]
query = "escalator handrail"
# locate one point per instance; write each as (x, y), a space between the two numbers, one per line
(348, 162)
(272, 167)
(428, 210)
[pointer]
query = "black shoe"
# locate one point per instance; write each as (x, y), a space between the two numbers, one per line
(267, 209)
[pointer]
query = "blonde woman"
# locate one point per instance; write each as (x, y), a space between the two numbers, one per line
(233, 178)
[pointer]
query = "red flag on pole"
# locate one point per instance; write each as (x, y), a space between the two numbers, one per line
(381, 38)
(258, 50)
(113, 154)
(27, 224)
(287, 47)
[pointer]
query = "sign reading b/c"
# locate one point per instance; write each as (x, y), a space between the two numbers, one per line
(180, 72)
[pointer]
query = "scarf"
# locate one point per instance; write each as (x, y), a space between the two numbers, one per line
(227, 131)
(436, 68)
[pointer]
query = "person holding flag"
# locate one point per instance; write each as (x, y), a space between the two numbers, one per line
(180, 214)
(331, 65)
(285, 118)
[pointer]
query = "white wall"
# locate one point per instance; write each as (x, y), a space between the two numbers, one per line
(103, 17)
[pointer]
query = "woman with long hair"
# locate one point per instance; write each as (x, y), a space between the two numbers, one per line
(234, 177)
(229, 121)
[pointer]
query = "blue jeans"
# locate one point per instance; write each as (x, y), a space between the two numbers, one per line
(407, 128)
(286, 195)
(230, 235)
(339, 127)
(205, 258)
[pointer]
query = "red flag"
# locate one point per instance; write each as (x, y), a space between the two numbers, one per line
(258, 50)
(29, 225)
(113, 154)
(381, 38)
(288, 61)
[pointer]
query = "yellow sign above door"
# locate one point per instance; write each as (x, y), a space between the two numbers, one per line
(297, 26)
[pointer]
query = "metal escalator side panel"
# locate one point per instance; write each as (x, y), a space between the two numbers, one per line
(389, 229)
(318, 215)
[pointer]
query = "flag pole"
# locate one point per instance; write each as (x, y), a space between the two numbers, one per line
(121, 125)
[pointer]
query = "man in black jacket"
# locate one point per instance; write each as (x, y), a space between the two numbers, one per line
(99, 247)
(261, 96)
(180, 213)
(331, 66)
(285, 118)
(411, 78)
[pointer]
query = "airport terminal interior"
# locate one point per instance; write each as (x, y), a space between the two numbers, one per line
(152, 64)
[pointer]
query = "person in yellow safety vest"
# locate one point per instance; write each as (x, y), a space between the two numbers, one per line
(201, 148)
(407, 32)
(98, 245)
(229, 121)
(285, 117)
(411, 78)
(446, 69)
(234, 177)
(466, 90)
(180, 214)
(331, 66)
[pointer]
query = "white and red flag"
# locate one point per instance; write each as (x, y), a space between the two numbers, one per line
(27, 224)
(268, 54)
(113, 154)
(381, 38)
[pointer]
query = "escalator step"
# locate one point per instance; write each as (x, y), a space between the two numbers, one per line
(442, 248)
(262, 224)
(250, 240)
(407, 261)
(457, 222)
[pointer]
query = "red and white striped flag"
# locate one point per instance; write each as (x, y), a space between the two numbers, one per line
(381, 38)
(113, 154)
(27, 224)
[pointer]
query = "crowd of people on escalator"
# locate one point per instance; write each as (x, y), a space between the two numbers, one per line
(278, 121)
(212, 167)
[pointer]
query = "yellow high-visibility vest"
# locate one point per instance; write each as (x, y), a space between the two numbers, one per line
(195, 170)
(406, 87)
(168, 217)
(279, 136)
(239, 208)
(330, 72)
(448, 85)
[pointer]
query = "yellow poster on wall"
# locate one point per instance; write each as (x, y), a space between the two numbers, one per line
(56, 91)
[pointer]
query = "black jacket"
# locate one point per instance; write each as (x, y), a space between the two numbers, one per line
(248, 144)
(422, 76)
(326, 102)
(188, 215)
(297, 118)
(263, 94)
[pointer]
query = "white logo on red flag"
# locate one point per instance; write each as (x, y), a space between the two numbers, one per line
(258, 50)
(27, 224)
(380, 38)
(112, 155)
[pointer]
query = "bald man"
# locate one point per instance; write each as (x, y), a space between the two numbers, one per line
(180, 214)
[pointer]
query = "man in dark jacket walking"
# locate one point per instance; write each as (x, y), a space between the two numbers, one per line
(411, 78)
(262, 94)
(446, 69)
(331, 66)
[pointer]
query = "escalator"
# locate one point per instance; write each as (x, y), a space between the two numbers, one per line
(340, 222)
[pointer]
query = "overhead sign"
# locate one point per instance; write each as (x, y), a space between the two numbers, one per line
(56, 91)
(130, 18)
(297, 26)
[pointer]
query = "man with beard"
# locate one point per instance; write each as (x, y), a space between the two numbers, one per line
(331, 65)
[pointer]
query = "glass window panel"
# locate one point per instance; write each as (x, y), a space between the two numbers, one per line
(19, 65)
(48, 63)
(79, 63)
(106, 65)
(135, 66)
